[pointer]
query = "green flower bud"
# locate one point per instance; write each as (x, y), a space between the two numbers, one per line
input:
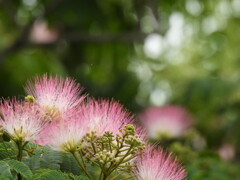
(30, 99)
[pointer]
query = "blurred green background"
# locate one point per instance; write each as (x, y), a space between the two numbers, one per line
(140, 52)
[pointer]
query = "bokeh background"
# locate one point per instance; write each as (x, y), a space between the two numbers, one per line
(141, 53)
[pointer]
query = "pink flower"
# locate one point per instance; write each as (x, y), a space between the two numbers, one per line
(154, 164)
(104, 115)
(64, 135)
(227, 151)
(55, 94)
(22, 121)
(169, 121)
(42, 34)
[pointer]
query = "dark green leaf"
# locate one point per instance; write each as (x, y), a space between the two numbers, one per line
(5, 169)
(20, 167)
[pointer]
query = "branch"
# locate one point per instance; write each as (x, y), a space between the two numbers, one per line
(129, 37)
(74, 38)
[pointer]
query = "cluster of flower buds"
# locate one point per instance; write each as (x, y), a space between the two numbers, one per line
(111, 152)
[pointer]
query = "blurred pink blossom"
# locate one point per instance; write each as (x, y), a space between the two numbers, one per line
(170, 121)
(41, 33)
(226, 151)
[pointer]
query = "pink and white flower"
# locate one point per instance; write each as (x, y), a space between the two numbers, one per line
(104, 115)
(55, 94)
(22, 121)
(170, 121)
(154, 164)
(64, 135)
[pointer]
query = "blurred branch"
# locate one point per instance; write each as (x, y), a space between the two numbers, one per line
(129, 37)
(23, 41)
(126, 38)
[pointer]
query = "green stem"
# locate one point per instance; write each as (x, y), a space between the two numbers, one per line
(122, 159)
(19, 155)
(81, 156)
(120, 145)
(94, 150)
(80, 164)
(115, 177)
(110, 146)
(19, 176)
(20, 150)
(128, 178)
(100, 176)
(104, 177)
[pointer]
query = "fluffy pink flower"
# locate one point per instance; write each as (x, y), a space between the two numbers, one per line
(64, 135)
(22, 121)
(169, 121)
(55, 94)
(104, 115)
(154, 164)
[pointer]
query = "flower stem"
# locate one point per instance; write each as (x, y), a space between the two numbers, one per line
(20, 150)
(128, 177)
(81, 156)
(112, 168)
(80, 164)
(100, 176)
(20, 154)
(104, 177)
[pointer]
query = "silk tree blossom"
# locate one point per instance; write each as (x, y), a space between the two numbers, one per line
(154, 164)
(105, 115)
(65, 135)
(22, 121)
(169, 121)
(57, 95)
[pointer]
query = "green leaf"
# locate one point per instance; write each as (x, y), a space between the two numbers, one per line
(50, 159)
(9, 147)
(69, 164)
(44, 158)
(33, 162)
(81, 177)
(20, 167)
(5, 170)
(2, 177)
(48, 174)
